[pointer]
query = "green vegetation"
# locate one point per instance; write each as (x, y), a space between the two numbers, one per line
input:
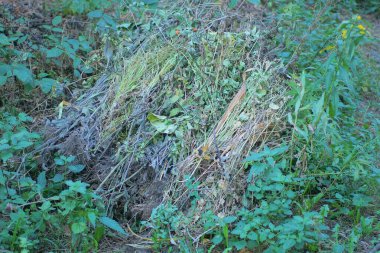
(190, 126)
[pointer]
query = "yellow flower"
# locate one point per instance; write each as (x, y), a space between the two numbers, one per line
(327, 48)
(344, 34)
(359, 17)
(361, 27)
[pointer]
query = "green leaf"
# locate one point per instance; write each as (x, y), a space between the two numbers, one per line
(254, 1)
(95, 14)
(45, 206)
(76, 168)
(154, 117)
(46, 84)
(112, 224)
(77, 186)
(59, 161)
(22, 145)
(57, 20)
(41, 180)
(92, 218)
(4, 40)
(252, 236)
(361, 200)
(288, 244)
(149, 2)
(233, 3)
(3, 80)
(4, 146)
(265, 153)
(217, 239)
(23, 73)
(54, 52)
(99, 233)
(58, 178)
(229, 219)
(78, 227)
(24, 117)
(239, 244)
(5, 156)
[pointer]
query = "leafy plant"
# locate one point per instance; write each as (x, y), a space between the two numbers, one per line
(39, 203)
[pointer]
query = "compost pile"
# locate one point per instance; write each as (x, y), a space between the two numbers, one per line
(174, 111)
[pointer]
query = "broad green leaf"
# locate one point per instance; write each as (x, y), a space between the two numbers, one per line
(95, 14)
(361, 200)
(252, 236)
(77, 186)
(24, 117)
(54, 52)
(288, 244)
(22, 145)
(41, 180)
(57, 178)
(4, 40)
(154, 117)
(5, 156)
(112, 224)
(23, 73)
(239, 244)
(76, 168)
(3, 80)
(4, 146)
(92, 218)
(45, 206)
(78, 227)
(59, 161)
(46, 84)
(217, 239)
(233, 3)
(150, 1)
(99, 233)
(266, 152)
(57, 20)
(254, 1)
(229, 219)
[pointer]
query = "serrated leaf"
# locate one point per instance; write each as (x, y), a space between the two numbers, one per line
(23, 74)
(112, 224)
(46, 84)
(78, 227)
(56, 20)
(23, 144)
(252, 236)
(77, 186)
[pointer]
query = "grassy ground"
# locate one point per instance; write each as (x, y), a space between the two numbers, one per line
(190, 126)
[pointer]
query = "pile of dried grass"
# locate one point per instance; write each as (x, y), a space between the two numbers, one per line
(190, 106)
